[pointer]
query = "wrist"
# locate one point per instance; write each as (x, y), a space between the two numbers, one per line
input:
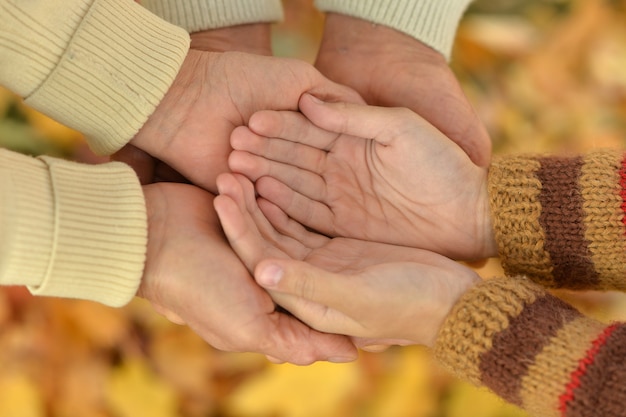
(350, 42)
(109, 76)
(158, 133)
(433, 22)
(344, 33)
(254, 38)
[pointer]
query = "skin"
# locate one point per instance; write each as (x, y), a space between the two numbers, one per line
(372, 173)
(252, 38)
(214, 93)
(192, 276)
(391, 69)
(373, 292)
(211, 290)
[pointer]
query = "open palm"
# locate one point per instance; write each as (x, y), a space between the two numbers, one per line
(193, 276)
(391, 284)
(369, 173)
(212, 95)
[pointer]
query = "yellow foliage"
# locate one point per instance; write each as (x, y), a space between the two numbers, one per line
(53, 130)
(407, 389)
(20, 397)
(322, 389)
(541, 81)
(469, 401)
(135, 390)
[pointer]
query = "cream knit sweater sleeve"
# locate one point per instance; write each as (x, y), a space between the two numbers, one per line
(199, 15)
(98, 66)
(433, 22)
(71, 230)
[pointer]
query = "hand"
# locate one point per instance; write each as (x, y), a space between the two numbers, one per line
(193, 276)
(403, 301)
(252, 38)
(391, 69)
(408, 185)
(216, 92)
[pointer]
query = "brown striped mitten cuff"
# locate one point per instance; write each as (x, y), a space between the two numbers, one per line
(560, 221)
(535, 351)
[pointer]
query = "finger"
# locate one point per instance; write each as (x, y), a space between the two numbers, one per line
(271, 143)
(375, 348)
(239, 228)
(334, 92)
(294, 342)
(289, 227)
(300, 180)
(292, 126)
(301, 208)
(305, 281)
(378, 345)
(369, 122)
(272, 236)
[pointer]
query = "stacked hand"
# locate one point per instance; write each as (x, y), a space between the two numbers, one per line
(363, 289)
(370, 173)
(223, 304)
(349, 171)
(191, 273)
(214, 93)
(391, 69)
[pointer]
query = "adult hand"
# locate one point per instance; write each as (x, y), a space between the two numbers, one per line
(407, 185)
(252, 38)
(193, 276)
(391, 69)
(403, 301)
(216, 92)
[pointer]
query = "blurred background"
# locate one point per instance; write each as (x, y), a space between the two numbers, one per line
(544, 75)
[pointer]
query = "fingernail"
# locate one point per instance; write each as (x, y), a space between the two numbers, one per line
(340, 359)
(270, 276)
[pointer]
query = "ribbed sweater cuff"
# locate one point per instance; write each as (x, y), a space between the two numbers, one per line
(535, 351)
(199, 15)
(72, 230)
(560, 220)
(98, 66)
(433, 22)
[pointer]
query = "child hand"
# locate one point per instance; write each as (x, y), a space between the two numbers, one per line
(383, 293)
(372, 173)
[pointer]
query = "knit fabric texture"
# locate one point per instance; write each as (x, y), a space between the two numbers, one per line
(98, 66)
(433, 22)
(561, 220)
(535, 351)
(71, 230)
(199, 15)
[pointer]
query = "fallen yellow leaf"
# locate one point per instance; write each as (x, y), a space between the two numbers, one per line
(135, 390)
(322, 389)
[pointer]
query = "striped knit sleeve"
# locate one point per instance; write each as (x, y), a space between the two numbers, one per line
(535, 351)
(561, 221)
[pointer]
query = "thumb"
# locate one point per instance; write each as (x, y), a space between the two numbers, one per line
(358, 120)
(315, 296)
(302, 280)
